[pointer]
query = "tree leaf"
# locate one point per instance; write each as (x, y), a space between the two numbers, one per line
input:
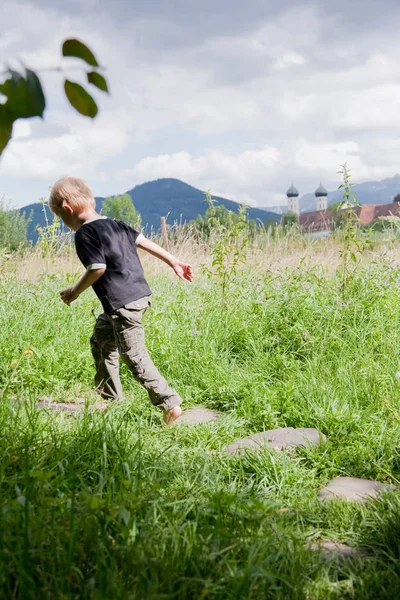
(37, 102)
(13, 83)
(25, 96)
(6, 126)
(77, 49)
(80, 99)
(15, 89)
(98, 80)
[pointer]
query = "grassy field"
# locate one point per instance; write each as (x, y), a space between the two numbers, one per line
(113, 506)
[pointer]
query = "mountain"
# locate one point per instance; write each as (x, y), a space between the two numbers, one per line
(181, 202)
(169, 198)
(370, 192)
(279, 210)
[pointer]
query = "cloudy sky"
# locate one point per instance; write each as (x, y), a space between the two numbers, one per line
(236, 96)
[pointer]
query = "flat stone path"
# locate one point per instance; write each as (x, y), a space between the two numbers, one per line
(194, 416)
(69, 407)
(278, 439)
(72, 407)
(334, 549)
(353, 489)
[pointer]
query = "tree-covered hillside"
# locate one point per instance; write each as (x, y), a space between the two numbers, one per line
(170, 198)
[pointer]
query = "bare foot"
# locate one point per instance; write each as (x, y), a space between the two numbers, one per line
(170, 416)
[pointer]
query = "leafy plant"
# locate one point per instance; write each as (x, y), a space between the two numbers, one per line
(217, 214)
(13, 228)
(52, 238)
(228, 245)
(386, 223)
(353, 243)
(121, 207)
(289, 219)
(25, 97)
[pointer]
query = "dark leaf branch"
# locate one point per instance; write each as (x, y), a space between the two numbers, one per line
(78, 97)
(77, 49)
(24, 99)
(98, 80)
(24, 96)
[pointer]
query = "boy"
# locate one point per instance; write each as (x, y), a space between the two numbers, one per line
(107, 249)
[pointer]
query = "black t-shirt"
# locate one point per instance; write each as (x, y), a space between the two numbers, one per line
(110, 244)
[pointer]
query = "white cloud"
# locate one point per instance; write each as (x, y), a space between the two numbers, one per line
(78, 151)
(261, 177)
(324, 156)
(290, 94)
(227, 175)
(22, 129)
(376, 108)
(289, 59)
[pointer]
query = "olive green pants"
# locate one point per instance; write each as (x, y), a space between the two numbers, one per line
(121, 333)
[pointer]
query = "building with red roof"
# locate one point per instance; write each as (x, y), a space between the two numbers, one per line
(322, 220)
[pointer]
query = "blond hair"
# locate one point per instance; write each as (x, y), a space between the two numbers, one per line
(72, 190)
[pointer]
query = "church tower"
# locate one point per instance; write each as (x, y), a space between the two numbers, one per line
(293, 200)
(321, 196)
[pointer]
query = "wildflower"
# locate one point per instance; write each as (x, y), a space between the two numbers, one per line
(28, 352)
(14, 362)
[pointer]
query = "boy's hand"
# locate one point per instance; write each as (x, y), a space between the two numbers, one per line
(183, 270)
(89, 278)
(68, 295)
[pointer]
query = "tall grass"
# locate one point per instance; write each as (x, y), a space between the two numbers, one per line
(265, 252)
(114, 506)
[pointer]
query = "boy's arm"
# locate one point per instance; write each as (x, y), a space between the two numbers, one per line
(88, 278)
(183, 270)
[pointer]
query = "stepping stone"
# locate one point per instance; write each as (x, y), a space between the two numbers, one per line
(278, 439)
(353, 489)
(331, 550)
(70, 407)
(193, 416)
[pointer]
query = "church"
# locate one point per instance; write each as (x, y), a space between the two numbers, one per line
(321, 196)
(321, 220)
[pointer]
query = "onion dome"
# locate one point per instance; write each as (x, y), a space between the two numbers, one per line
(292, 192)
(321, 191)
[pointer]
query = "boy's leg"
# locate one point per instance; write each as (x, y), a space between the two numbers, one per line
(106, 357)
(129, 332)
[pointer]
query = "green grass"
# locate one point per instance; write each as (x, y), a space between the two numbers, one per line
(113, 506)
